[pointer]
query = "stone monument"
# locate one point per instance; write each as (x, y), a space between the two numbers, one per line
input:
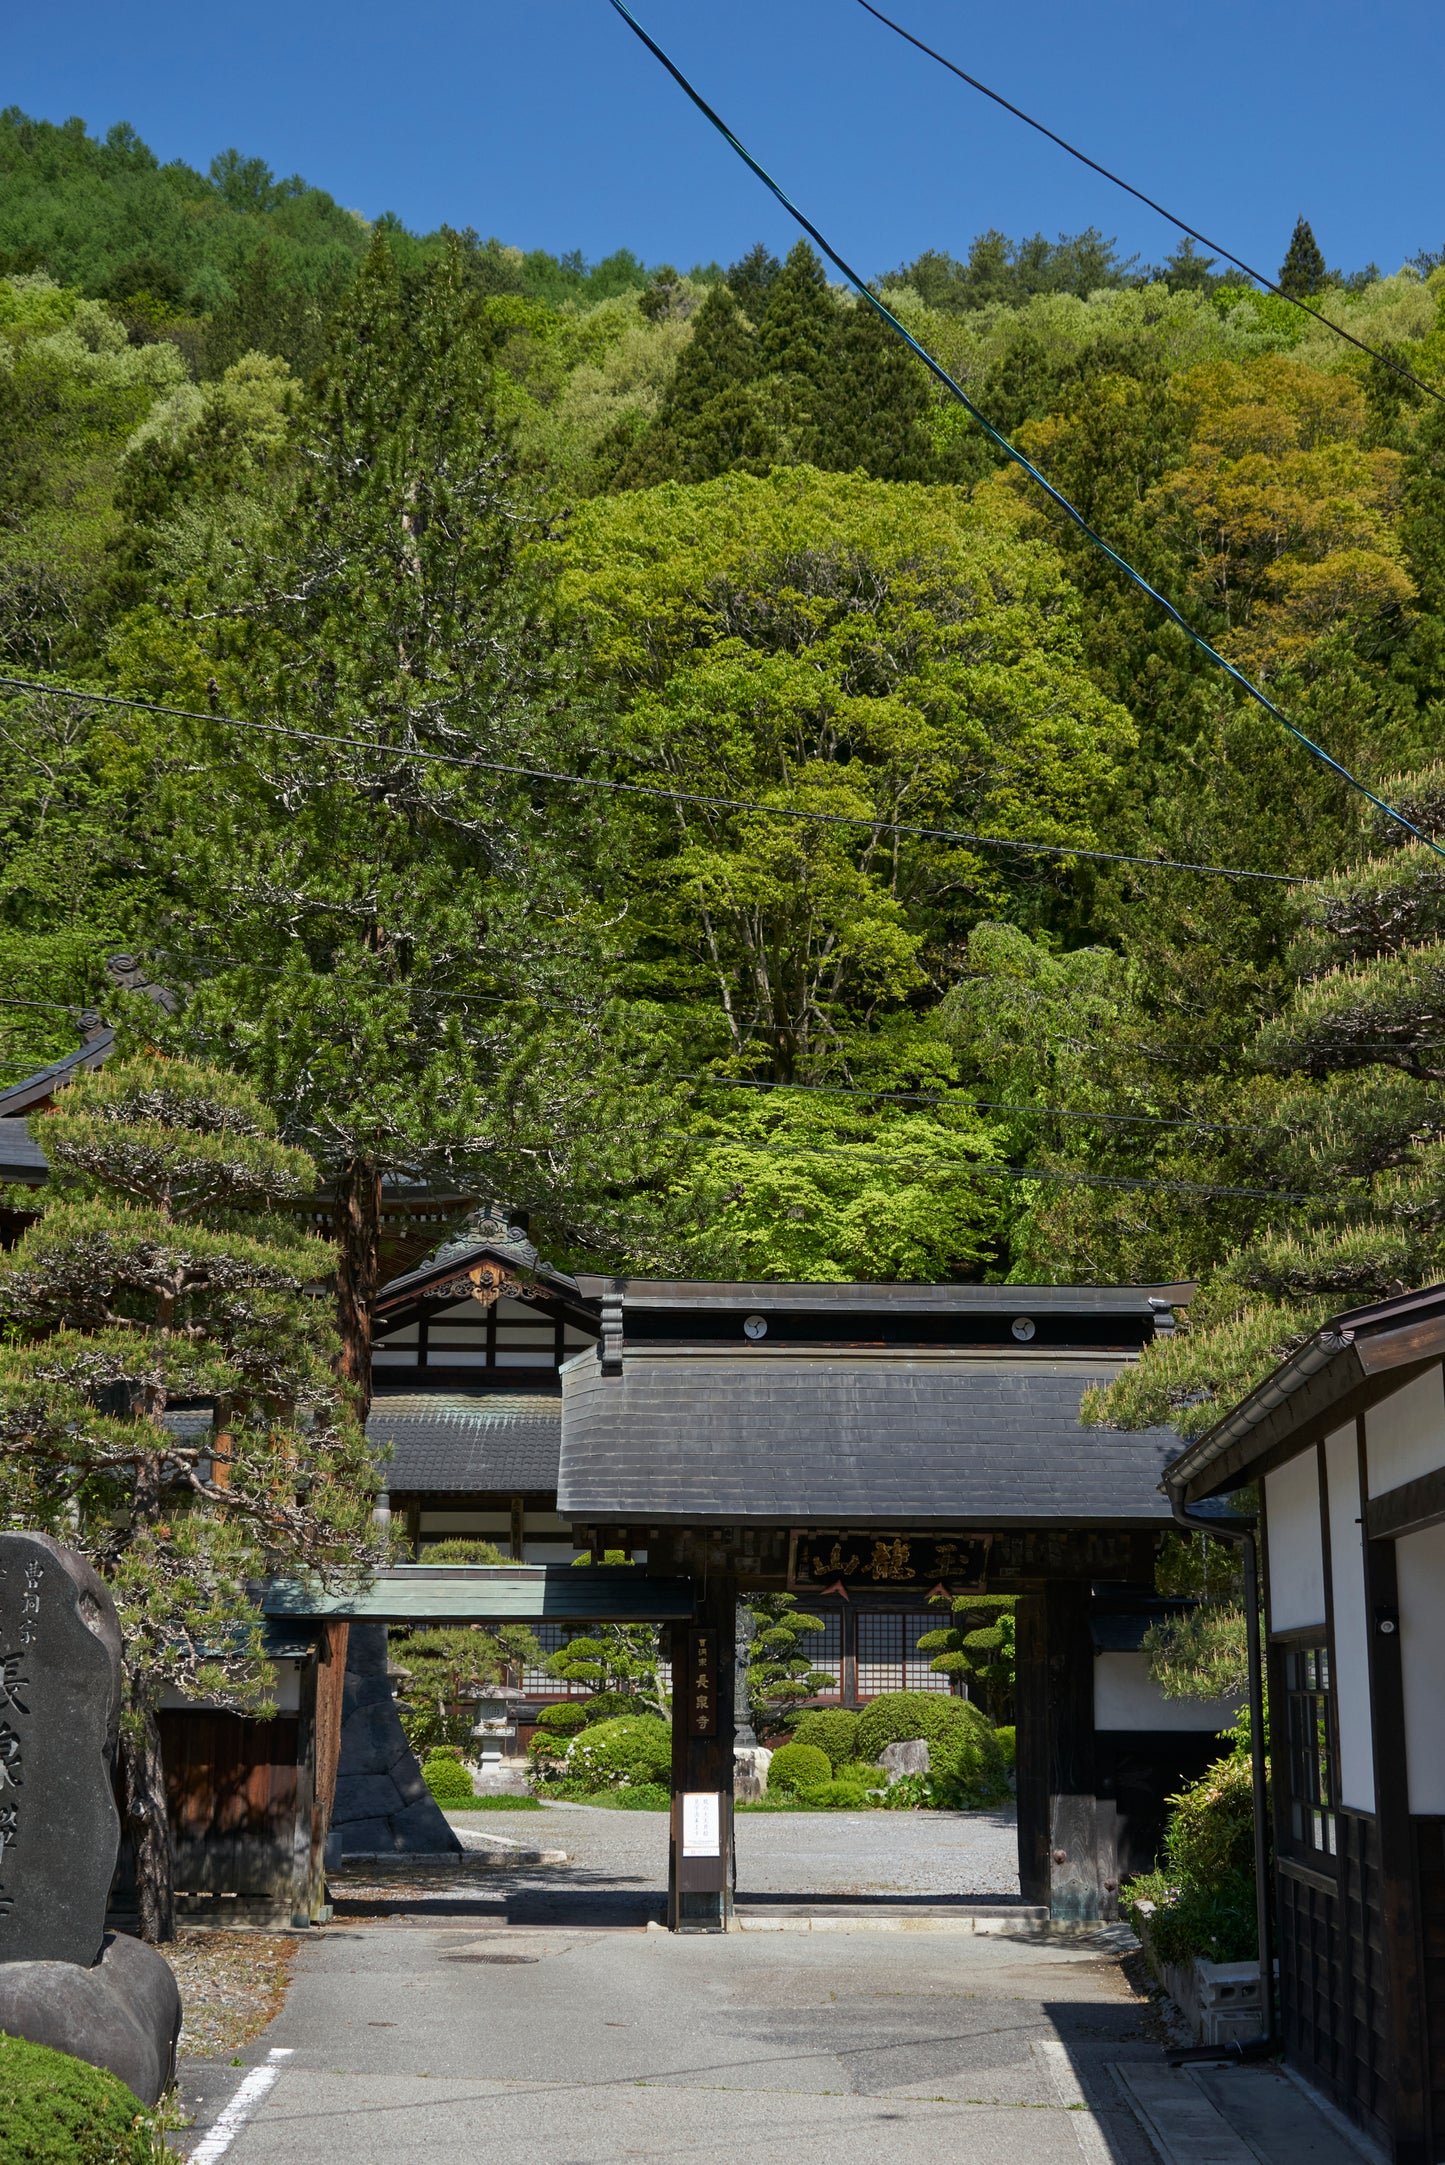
(63, 1980)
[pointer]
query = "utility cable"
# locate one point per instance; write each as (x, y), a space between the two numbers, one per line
(1030, 1172)
(996, 436)
(966, 1100)
(1139, 196)
(874, 826)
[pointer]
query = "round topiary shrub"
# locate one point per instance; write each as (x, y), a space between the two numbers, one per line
(961, 1742)
(563, 1719)
(56, 2110)
(632, 1751)
(448, 1780)
(832, 1729)
(609, 1706)
(799, 1766)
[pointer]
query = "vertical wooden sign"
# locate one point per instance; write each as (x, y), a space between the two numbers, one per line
(702, 1710)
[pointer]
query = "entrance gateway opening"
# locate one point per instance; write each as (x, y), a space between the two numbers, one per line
(863, 1447)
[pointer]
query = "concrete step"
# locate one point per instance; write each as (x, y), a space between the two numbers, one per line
(889, 1917)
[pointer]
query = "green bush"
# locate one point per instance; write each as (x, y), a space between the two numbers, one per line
(832, 1729)
(631, 1751)
(799, 1766)
(609, 1706)
(838, 1795)
(500, 1800)
(447, 1779)
(1203, 1893)
(562, 1719)
(1007, 1739)
(58, 2111)
(460, 1550)
(963, 1745)
(642, 1797)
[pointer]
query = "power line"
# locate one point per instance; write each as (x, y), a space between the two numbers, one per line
(966, 1099)
(666, 795)
(1070, 510)
(1140, 197)
(1030, 1172)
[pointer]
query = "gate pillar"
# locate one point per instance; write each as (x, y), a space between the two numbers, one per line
(1060, 1825)
(700, 1873)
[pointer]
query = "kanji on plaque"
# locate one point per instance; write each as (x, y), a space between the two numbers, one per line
(702, 1698)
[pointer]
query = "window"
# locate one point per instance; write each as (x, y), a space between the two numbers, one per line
(824, 1650)
(1313, 1788)
(888, 1656)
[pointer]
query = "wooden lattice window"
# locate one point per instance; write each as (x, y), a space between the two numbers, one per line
(1313, 1778)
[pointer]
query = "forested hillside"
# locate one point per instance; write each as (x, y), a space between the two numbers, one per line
(714, 544)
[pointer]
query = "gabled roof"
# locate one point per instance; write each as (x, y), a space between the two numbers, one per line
(486, 1250)
(38, 1089)
(1351, 1361)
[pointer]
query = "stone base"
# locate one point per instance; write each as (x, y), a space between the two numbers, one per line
(123, 2014)
(381, 1804)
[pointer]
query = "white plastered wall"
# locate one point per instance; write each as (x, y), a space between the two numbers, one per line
(1420, 1565)
(1352, 1646)
(1296, 1549)
(1405, 1433)
(1127, 1697)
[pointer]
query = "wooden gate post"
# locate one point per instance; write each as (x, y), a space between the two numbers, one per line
(1058, 1807)
(700, 1871)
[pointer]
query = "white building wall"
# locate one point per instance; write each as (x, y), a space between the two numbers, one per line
(1352, 1647)
(1127, 1697)
(1405, 1433)
(1420, 1564)
(1296, 1550)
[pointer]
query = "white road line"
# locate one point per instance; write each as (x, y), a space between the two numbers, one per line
(1094, 2146)
(248, 2096)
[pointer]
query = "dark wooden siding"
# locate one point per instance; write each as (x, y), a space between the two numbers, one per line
(1430, 1849)
(1333, 1998)
(231, 1785)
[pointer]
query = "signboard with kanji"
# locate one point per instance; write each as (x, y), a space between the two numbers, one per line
(887, 1562)
(702, 1704)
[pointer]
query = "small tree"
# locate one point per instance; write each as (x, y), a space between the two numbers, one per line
(780, 1675)
(160, 1274)
(978, 1647)
(1303, 269)
(444, 1671)
(621, 1658)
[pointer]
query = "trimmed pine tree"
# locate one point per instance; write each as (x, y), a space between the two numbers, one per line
(163, 1275)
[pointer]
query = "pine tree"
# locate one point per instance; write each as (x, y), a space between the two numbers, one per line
(780, 1675)
(795, 333)
(877, 416)
(1303, 269)
(979, 1647)
(1355, 1117)
(394, 947)
(159, 1272)
(752, 278)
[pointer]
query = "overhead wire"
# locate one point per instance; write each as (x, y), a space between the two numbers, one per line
(877, 825)
(1010, 450)
(1385, 359)
(965, 1099)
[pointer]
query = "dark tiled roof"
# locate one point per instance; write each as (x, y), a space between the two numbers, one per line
(848, 1439)
(859, 1294)
(21, 1157)
(469, 1440)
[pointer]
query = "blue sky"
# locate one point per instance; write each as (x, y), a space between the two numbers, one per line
(548, 124)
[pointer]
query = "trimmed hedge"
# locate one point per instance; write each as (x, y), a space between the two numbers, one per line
(448, 1780)
(564, 1718)
(832, 1729)
(631, 1752)
(55, 2110)
(962, 1745)
(799, 1766)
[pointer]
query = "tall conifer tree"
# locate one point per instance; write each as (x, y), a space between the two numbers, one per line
(1303, 269)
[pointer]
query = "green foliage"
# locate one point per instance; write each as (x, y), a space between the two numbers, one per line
(1203, 1891)
(562, 1719)
(979, 1646)
(448, 1780)
(632, 1750)
(799, 1766)
(446, 1670)
(780, 1675)
(1007, 1742)
(834, 1730)
(622, 1663)
(841, 1794)
(61, 2111)
(962, 1745)
(461, 1549)
(636, 1797)
(500, 1800)
(1202, 1654)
